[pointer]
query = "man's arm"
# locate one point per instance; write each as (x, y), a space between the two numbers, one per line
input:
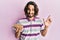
(18, 30)
(17, 34)
(44, 31)
(46, 23)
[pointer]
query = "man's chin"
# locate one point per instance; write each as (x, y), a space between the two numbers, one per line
(30, 16)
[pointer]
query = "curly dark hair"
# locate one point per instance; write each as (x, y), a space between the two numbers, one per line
(35, 8)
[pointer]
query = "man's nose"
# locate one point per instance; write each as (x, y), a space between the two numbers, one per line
(30, 11)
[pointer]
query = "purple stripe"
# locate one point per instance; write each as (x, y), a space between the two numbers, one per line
(30, 34)
(28, 19)
(33, 18)
(22, 18)
(35, 25)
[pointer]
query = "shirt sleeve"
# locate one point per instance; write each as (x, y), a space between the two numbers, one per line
(42, 24)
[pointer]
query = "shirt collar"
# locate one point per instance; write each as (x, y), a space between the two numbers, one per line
(30, 20)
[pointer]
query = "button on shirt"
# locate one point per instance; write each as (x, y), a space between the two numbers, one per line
(31, 29)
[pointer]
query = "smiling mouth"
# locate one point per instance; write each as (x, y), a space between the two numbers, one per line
(30, 16)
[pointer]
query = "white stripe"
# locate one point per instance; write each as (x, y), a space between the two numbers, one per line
(24, 22)
(33, 30)
(26, 31)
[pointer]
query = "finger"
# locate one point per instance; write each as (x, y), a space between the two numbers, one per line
(43, 20)
(48, 16)
(14, 26)
(16, 30)
(50, 20)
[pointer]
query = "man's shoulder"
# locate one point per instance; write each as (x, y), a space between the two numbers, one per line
(37, 18)
(22, 19)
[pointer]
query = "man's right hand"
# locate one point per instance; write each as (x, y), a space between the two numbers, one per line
(18, 27)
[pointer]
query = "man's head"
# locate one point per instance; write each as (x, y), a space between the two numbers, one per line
(31, 9)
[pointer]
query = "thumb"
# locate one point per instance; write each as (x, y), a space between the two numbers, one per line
(43, 20)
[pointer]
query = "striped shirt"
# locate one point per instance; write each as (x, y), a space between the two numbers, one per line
(31, 29)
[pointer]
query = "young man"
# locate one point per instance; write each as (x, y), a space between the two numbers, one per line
(31, 27)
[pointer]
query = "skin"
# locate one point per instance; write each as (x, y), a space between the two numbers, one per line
(31, 17)
(18, 28)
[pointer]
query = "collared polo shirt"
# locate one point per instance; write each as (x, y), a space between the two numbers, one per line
(31, 29)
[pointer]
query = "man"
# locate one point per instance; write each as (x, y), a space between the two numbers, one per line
(31, 27)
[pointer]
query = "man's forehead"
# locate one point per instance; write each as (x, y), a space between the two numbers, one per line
(31, 6)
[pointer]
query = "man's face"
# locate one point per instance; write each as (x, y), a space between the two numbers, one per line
(30, 11)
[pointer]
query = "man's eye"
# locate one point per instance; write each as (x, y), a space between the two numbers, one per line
(28, 9)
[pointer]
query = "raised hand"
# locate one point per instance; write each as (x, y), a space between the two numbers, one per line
(18, 27)
(47, 22)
